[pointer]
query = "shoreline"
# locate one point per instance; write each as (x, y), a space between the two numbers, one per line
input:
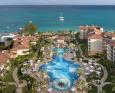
(53, 31)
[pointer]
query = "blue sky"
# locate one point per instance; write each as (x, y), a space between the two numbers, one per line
(57, 2)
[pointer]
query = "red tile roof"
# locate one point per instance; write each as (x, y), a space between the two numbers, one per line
(22, 42)
(89, 28)
(4, 57)
(60, 38)
(95, 36)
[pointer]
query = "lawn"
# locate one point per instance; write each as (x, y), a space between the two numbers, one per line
(10, 89)
(93, 89)
(25, 89)
(8, 76)
(107, 89)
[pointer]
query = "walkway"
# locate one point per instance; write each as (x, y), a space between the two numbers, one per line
(18, 84)
(9, 83)
(102, 81)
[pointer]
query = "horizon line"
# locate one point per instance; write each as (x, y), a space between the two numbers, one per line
(55, 5)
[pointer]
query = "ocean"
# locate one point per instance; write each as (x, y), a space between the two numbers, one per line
(46, 17)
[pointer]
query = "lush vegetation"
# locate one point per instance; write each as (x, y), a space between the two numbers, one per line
(5, 88)
(107, 89)
(31, 82)
(20, 59)
(8, 76)
(29, 29)
(83, 44)
(108, 65)
(37, 48)
(92, 89)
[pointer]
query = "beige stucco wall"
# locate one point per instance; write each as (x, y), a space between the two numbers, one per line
(95, 46)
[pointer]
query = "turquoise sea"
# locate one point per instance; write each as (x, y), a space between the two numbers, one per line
(47, 17)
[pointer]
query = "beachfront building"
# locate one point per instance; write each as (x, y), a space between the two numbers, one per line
(111, 50)
(95, 44)
(94, 36)
(109, 42)
(21, 45)
(86, 30)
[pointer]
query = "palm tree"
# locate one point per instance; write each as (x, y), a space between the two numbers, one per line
(42, 84)
(29, 28)
(79, 71)
(82, 86)
(42, 42)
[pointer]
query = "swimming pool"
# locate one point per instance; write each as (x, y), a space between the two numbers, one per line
(62, 73)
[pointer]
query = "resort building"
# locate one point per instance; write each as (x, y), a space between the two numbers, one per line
(86, 30)
(94, 36)
(60, 41)
(109, 45)
(95, 44)
(111, 50)
(21, 45)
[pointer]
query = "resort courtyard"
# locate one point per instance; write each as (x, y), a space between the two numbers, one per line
(56, 67)
(60, 71)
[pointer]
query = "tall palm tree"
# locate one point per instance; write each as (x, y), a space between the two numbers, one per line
(42, 42)
(79, 71)
(82, 86)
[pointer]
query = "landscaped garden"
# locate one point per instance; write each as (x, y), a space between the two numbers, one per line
(8, 76)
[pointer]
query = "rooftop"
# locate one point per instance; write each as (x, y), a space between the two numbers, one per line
(89, 28)
(4, 57)
(60, 38)
(22, 42)
(95, 36)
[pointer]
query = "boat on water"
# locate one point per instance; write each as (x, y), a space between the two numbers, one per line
(61, 17)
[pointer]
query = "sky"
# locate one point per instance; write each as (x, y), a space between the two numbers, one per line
(57, 2)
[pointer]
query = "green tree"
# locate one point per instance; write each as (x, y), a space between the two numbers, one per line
(42, 42)
(82, 86)
(79, 71)
(29, 28)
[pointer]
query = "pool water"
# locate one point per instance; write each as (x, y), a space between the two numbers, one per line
(62, 73)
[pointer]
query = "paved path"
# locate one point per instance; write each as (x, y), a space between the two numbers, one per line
(16, 79)
(102, 81)
(9, 83)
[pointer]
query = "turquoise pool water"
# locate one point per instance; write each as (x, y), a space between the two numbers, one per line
(61, 72)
